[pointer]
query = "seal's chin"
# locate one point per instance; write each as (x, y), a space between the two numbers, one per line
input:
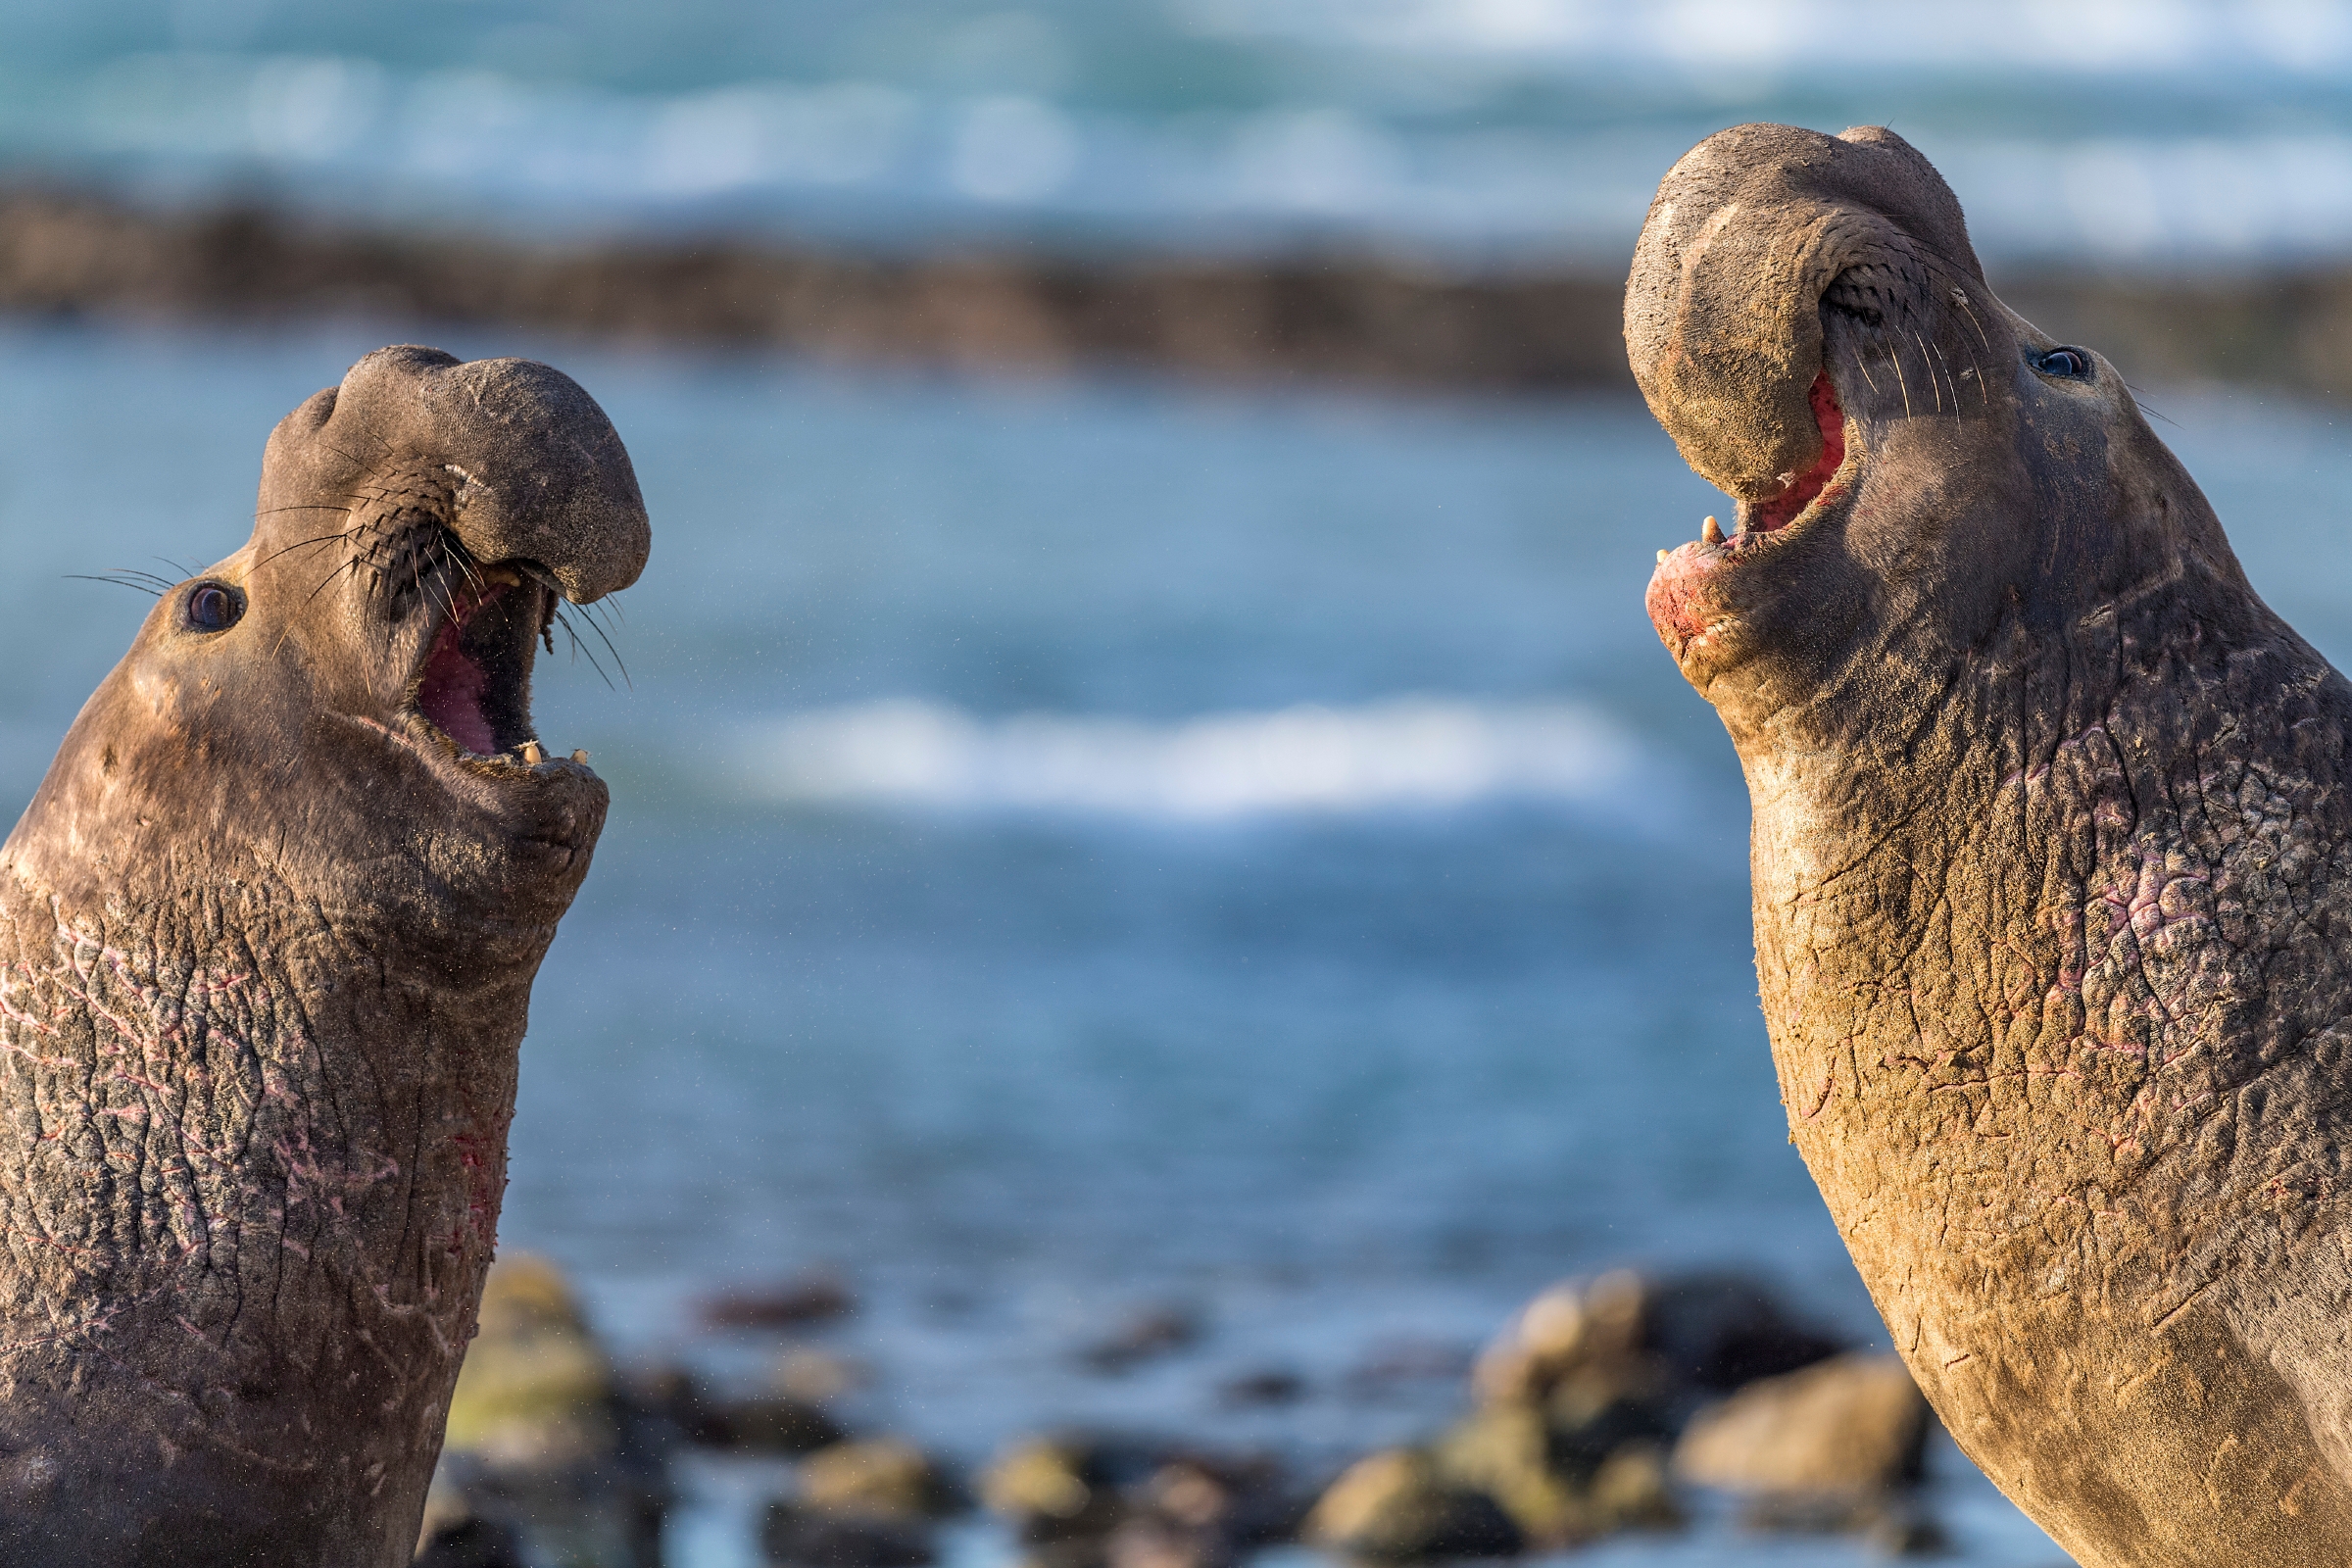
(472, 691)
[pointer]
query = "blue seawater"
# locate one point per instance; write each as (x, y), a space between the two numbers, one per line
(1483, 132)
(1085, 845)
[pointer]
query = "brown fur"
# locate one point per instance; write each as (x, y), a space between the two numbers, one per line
(267, 941)
(2052, 861)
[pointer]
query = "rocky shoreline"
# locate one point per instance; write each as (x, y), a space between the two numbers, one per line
(1603, 1406)
(1339, 317)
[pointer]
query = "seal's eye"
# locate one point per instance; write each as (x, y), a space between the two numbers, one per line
(214, 607)
(2063, 362)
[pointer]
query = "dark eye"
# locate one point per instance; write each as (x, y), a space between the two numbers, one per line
(2064, 362)
(214, 608)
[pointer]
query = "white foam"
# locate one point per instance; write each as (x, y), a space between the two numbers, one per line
(1408, 754)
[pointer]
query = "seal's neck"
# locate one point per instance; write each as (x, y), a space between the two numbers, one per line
(265, 1169)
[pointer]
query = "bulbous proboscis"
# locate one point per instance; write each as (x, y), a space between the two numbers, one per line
(267, 932)
(2052, 856)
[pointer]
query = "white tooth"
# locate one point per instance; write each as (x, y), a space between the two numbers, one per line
(580, 756)
(1662, 557)
(532, 753)
(1711, 532)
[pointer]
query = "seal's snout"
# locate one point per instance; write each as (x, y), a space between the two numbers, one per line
(475, 498)
(537, 472)
(1723, 310)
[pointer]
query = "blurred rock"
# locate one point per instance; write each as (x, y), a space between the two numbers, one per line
(1851, 1427)
(816, 1538)
(1631, 1491)
(1395, 1506)
(1147, 1542)
(1243, 1501)
(791, 1303)
(471, 1542)
(1059, 1488)
(762, 1423)
(1723, 1331)
(1269, 1385)
(766, 1423)
(1506, 1451)
(1093, 1500)
(817, 1376)
(1890, 1525)
(1585, 1346)
(535, 1391)
(1568, 1325)
(539, 1445)
(662, 1402)
(454, 1535)
(1902, 1528)
(882, 1478)
(1201, 1511)
(1145, 1332)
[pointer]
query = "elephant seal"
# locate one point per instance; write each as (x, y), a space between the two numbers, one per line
(266, 939)
(2051, 856)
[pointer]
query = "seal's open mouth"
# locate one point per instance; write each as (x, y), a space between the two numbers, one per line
(1763, 516)
(1682, 601)
(474, 685)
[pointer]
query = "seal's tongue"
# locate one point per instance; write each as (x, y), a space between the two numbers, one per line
(476, 683)
(451, 692)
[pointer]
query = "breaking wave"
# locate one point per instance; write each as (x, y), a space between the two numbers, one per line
(1406, 754)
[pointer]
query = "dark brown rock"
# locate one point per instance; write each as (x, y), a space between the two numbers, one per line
(1398, 1506)
(1145, 1334)
(1269, 1385)
(812, 1538)
(1582, 1345)
(792, 1303)
(764, 1423)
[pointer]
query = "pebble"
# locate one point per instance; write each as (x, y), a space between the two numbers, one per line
(1851, 1427)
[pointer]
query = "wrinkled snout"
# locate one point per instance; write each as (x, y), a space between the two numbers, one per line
(1723, 309)
(535, 472)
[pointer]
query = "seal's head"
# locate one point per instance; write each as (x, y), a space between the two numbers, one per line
(344, 702)
(1912, 461)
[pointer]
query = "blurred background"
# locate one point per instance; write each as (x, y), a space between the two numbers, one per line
(1160, 887)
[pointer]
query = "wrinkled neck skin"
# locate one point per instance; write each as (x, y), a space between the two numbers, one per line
(2052, 870)
(263, 974)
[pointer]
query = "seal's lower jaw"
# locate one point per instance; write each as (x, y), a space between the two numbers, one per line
(470, 696)
(1696, 594)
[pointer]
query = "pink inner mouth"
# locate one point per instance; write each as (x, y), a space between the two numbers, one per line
(449, 692)
(1762, 516)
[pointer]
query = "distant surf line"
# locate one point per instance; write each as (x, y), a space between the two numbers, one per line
(1403, 754)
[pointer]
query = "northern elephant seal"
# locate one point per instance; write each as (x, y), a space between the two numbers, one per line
(267, 932)
(2051, 856)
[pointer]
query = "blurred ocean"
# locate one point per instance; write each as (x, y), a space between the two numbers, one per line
(1087, 848)
(1096, 847)
(1495, 133)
